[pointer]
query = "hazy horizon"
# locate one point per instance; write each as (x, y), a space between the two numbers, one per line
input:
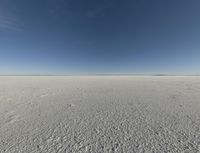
(104, 74)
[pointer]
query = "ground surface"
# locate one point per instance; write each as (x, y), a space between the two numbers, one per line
(100, 114)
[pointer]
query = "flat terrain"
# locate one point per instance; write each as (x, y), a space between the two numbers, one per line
(136, 114)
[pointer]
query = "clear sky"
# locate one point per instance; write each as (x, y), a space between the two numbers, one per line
(99, 36)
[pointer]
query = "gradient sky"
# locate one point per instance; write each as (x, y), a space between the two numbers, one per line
(99, 36)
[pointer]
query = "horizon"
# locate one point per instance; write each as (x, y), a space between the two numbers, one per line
(101, 74)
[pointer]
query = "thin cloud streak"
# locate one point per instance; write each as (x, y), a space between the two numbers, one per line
(62, 7)
(9, 19)
(9, 23)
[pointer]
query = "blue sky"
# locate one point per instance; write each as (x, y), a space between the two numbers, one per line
(99, 36)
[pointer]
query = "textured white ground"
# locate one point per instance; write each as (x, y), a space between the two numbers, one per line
(141, 114)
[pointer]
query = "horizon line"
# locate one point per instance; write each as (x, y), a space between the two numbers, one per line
(104, 74)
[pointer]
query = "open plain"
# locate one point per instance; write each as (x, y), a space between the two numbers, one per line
(114, 114)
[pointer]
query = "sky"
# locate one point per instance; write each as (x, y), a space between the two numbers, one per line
(64, 37)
